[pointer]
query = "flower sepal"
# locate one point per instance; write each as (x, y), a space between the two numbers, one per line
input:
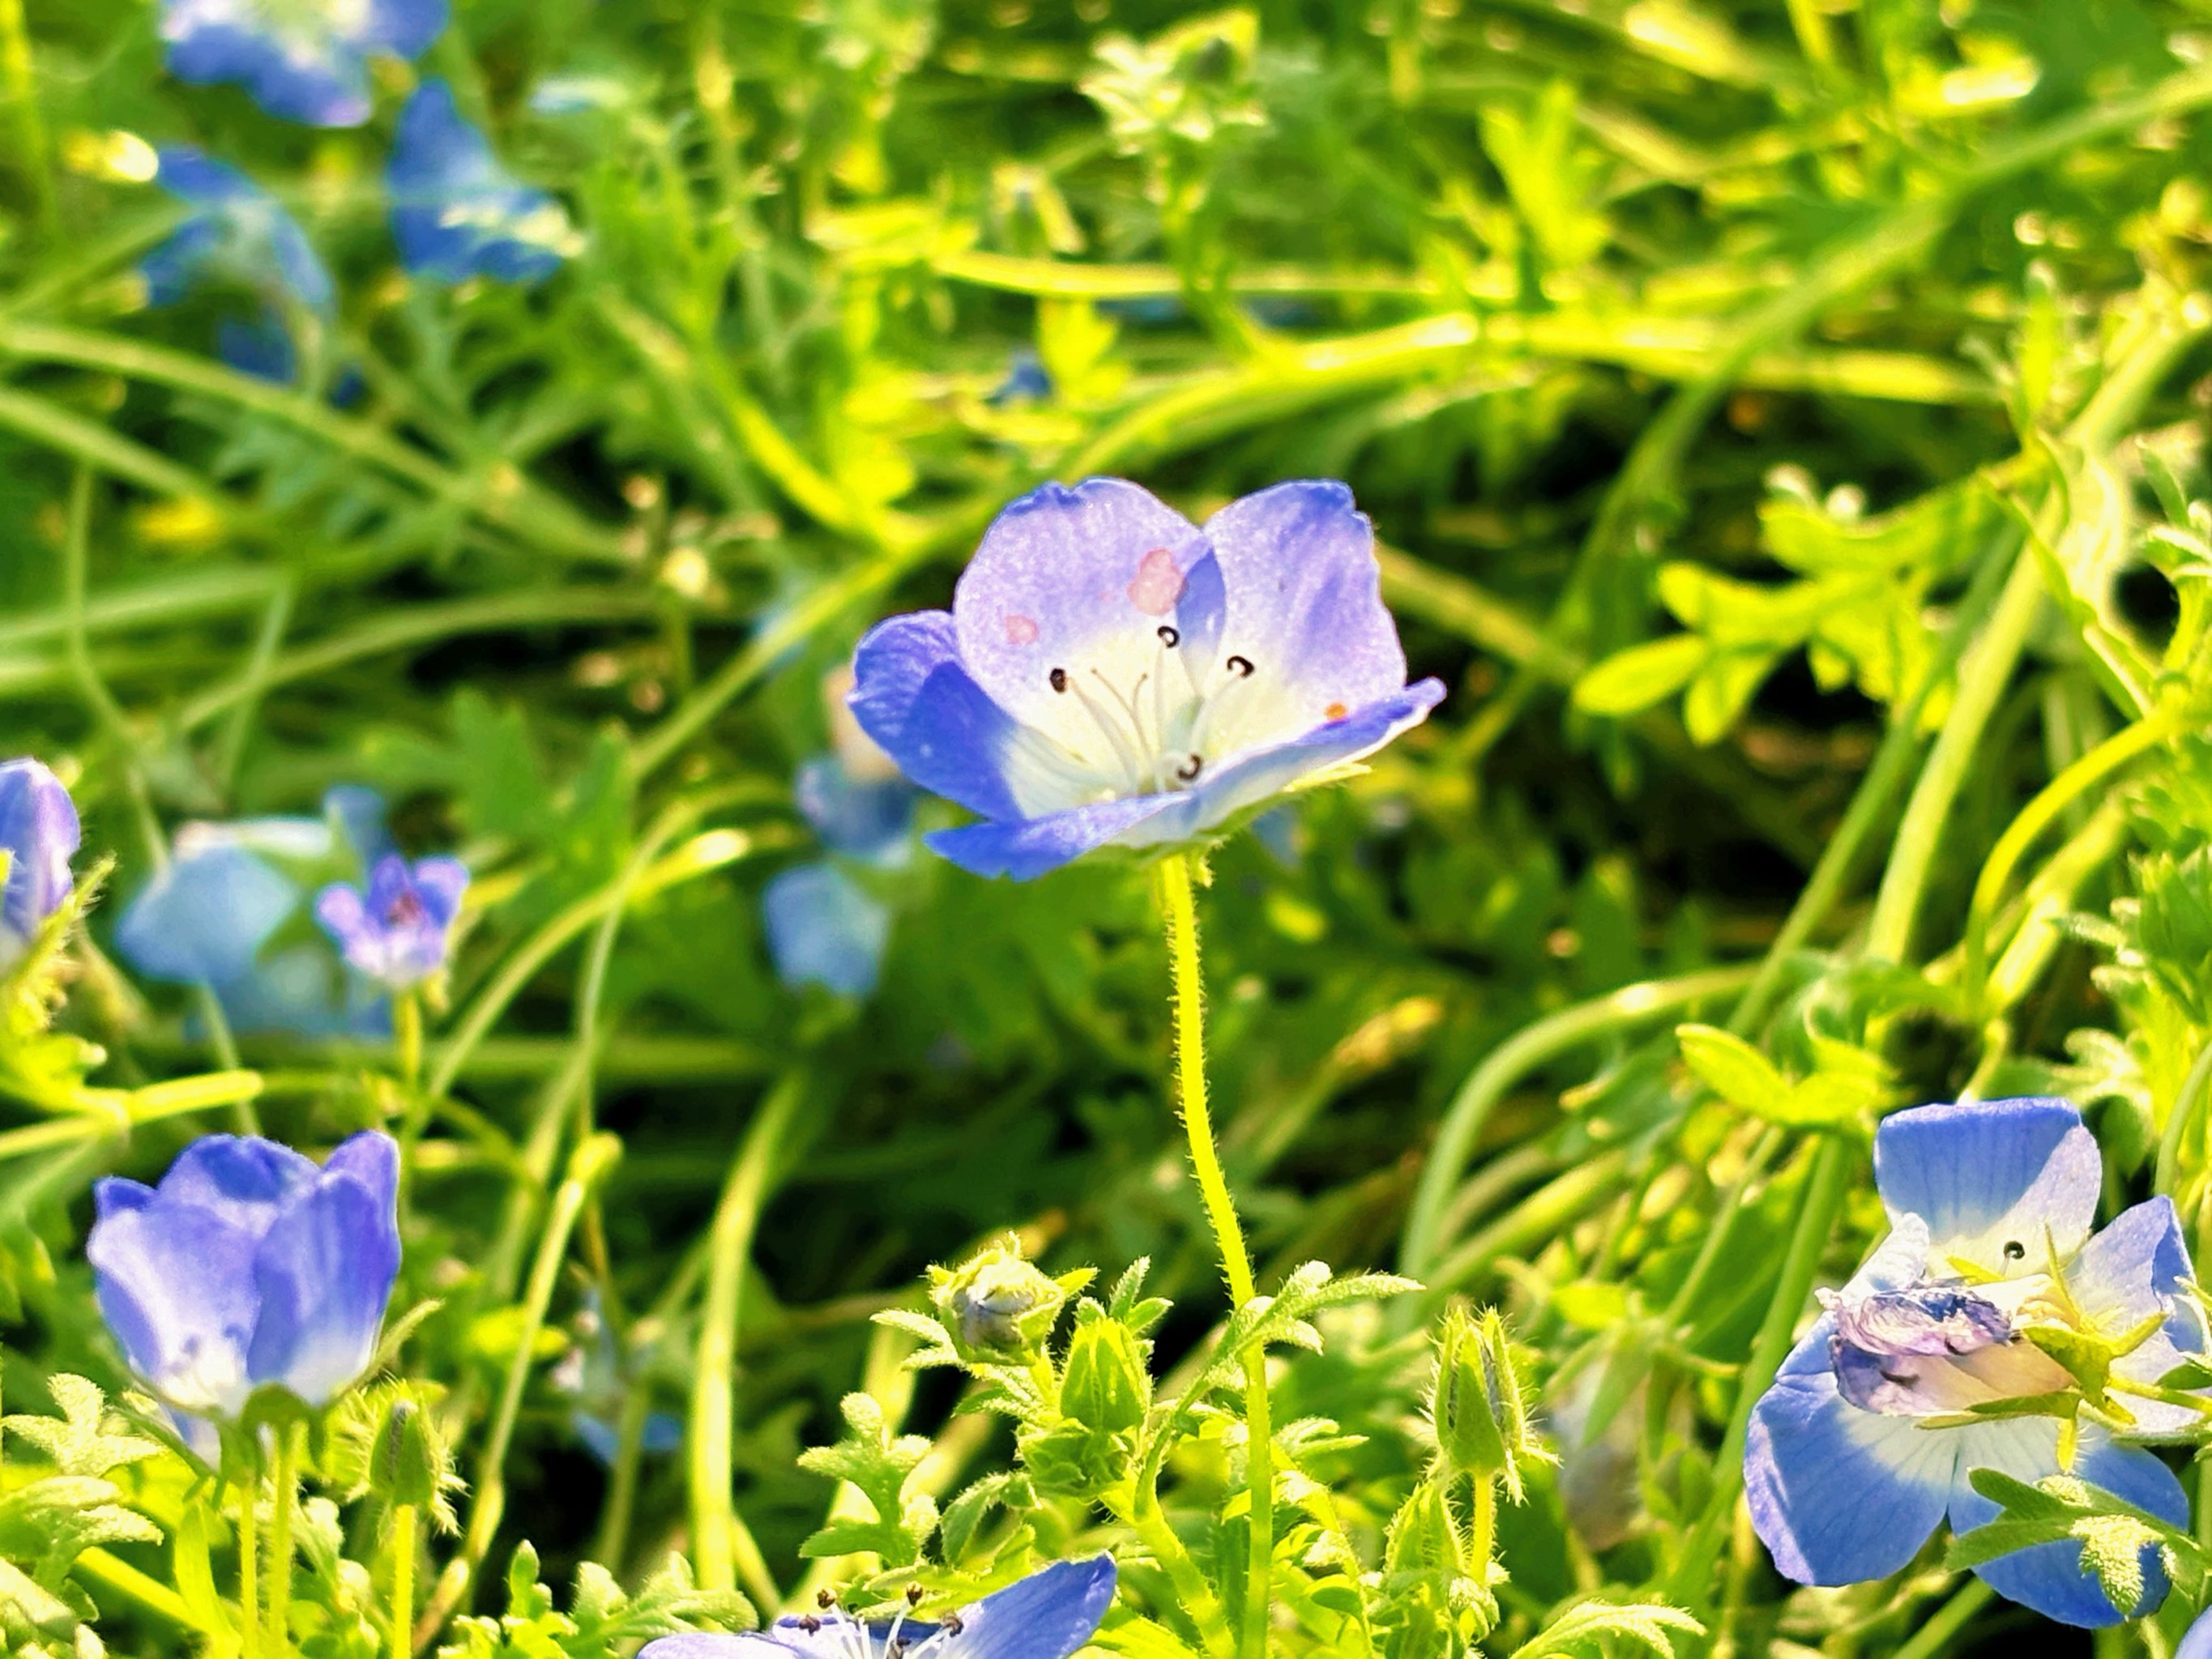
(37, 1063)
(2117, 1540)
(271, 1412)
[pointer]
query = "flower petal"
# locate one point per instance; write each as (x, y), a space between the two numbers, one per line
(1028, 848)
(175, 1285)
(922, 709)
(1061, 574)
(2198, 1644)
(2130, 1271)
(1254, 777)
(715, 1645)
(1840, 1495)
(1305, 608)
(206, 916)
(2049, 1577)
(456, 211)
(246, 1181)
(440, 883)
(325, 1271)
(1991, 1174)
(822, 929)
(39, 832)
(1048, 1615)
(866, 818)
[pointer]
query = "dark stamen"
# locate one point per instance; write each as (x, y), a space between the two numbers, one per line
(952, 1624)
(1059, 679)
(1901, 1382)
(1192, 768)
(2014, 1250)
(810, 1624)
(1240, 665)
(914, 1595)
(1169, 637)
(896, 1647)
(405, 911)
(825, 1599)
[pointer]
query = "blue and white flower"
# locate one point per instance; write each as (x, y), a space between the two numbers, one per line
(247, 1267)
(304, 60)
(38, 834)
(1900, 1390)
(456, 212)
(397, 932)
(1111, 674)
(1048, 1615)
(226, 913)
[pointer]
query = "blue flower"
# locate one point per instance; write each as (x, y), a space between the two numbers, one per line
(1111, 674)
(248, 1268)
(398, 932)
(2198, 1644)
(305, 60)
(38, 834)
(456, 212)
(1989, 1207)
(230, 890)
(824, 928)
(1026, 382)
(1048, 1615)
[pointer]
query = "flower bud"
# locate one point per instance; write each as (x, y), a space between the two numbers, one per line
(39, 836)
(408, 1463)
(1105, 1386)
(998, 1305)
(1482, 1425)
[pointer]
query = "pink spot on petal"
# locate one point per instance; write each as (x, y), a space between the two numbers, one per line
(1159, 584)
(1020, 629)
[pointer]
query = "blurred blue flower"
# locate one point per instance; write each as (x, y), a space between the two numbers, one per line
(824, 928)
(230, 889)
(1048, 1615)
(456, 212)
(863, 817)
(39, 834)
(305, 60)
(238, 236)
(1026, 382)
(1989, 1206)
(593, 1374)
(248, 1267)
(1111, 674)
(398, 932)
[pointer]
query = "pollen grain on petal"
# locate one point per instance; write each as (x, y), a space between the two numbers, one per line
(1159, 584)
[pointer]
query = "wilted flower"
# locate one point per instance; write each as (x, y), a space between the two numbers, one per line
(1111, 674)
(215, 916)
(1048, 1615)
(238, 236)
(1940, 1358)
(38, 834)
(248, 1268)
(305, 60)
(398, 932)
(456, 212)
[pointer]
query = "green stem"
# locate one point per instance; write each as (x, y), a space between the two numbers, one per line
(249, 1576)
(1825, 1188)
(407, 1040)
(22, 91)
(737, 1218)
(1932, 1637)
(402, 1580)
(1513, 1059)
(1179, 909)
(286, 1483)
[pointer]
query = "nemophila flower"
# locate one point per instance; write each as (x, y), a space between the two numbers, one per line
(1026, 381)
(305, 60)
(226, 913)
(398, 931)
(592, 1374)
(38, 834)
(2198, 1644)
(824, 928)
(238, 237)
(1111, 674)
(1928, 1365)
(1048, 1615)
(247, 1267)
(456, 212)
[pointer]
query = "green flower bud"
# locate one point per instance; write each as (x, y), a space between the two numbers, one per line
(1105, 1385)
(1424, 1538)
(998, 1305)
(1482, 1424)
(1067, 1460)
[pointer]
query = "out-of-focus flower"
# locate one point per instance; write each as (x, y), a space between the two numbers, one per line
(1048, 1615)
(213, 915)
(592, 1374)
(824, 928)
(39, 834)
(1026, 382)
(1879, 1416)
(1110, 674)
(398, 932)
(456, 212)
(305, 60)
(239, 237)
(247, 1267)
(2198, 1644)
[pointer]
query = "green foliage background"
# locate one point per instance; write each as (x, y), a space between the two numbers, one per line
(1712, 374)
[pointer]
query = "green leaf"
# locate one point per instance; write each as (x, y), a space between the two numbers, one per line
(1732, 1069)
(1595, 1630)
(1631, 681)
